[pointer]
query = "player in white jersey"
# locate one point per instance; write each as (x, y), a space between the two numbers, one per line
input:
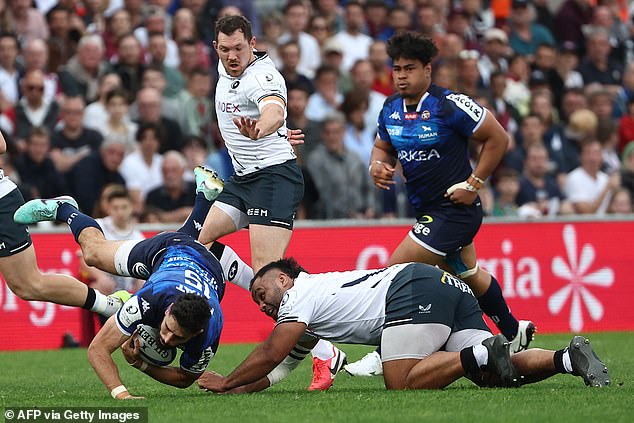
(267, 186)
(427, 321)
(18, 264)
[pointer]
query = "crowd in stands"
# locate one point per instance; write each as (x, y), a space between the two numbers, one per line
(101, 92)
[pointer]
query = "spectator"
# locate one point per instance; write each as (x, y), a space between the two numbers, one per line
(149, 104)
(129, 65)
(332, 12)
(80, 76)
(190, 57)
(355, 44)
(626, 127)
(607, 134)
(60, 46)
(380, 62)
(469, 81)
(587, 187)
(526, 35)
(428, 20)
(117, 124)
(155, 22)
(340, 176)
(173, 201)
(504, 112)
(195, 151)
(570, 19)
(196, 108)
(517, 92)
(531, 132)
(117, 25)
(458, 22)
(153, 77)
(333, 56)
(567, 65)
(572, 100)
(507, 187)
(157, 48)
(363, 77)
(400, 20)
(33, 110)
(141, 169)
(184, 29)
(96, 111)
(544, 14)
(358, 138)
(627, 167)
(601, 102)
(297, 119)
(495, 50)
(545, 62)
(35, 56)
(296, 15)
(376, 12)
(621, 202)
(36, 167)
(603, 16)
(319, 29)
(9, 72)
(327, 98)
(625, 93)
(100, 168)
(29, 22)
(539, 191)
(290, 56)
(597, 66)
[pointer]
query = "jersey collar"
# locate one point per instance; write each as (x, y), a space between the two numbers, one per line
(420, 103)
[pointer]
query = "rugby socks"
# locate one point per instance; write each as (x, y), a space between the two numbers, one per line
(236, 271)
(323, 350)
(493, 304)
(100, 303)
(474, 358)
(562, 361)
(194, 223)
(76, 220)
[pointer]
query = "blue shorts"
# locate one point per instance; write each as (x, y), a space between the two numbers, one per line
(447, 228)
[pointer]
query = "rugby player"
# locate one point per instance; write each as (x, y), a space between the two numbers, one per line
(18, 263)
(181, 297)
(267, 186)
(427, 321)
(427, 129)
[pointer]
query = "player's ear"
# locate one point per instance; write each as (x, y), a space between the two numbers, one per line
(252, 42)
(169, 309)
(214, 44)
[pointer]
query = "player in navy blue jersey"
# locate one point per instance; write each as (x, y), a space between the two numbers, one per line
(427, 129)
(180, 299)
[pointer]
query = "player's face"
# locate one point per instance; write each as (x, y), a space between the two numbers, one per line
(411, 77)
(171, 333)
(267, 292)
(235, 51)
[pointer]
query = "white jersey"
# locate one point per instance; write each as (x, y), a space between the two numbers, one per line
(241, 96)
(340, 306)
(6, 185)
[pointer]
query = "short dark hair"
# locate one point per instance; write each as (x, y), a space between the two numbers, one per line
(117, 92)
(410, 45)
(287, 265)
(38, 131)
(118, 191)
(325, 69)
(192, 312)
(150, 126)
(230, 24)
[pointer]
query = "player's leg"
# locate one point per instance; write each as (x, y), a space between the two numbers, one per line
(208, 187)
(268, 243)
(489, 293)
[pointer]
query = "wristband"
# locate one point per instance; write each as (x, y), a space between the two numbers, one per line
(116, 391)
(477, 179)
(475, 182)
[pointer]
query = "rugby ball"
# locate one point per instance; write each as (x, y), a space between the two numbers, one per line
(150, 348)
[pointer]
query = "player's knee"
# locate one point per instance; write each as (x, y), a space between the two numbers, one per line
(91, 255)
(25, 286)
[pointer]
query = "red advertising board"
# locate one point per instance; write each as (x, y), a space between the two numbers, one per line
(565, 276)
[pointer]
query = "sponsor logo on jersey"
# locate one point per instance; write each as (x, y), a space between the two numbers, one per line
(418, 155)
(451, 280)
(202, 363)
(424, 309)
(228, 107)
(395, 115)
(131, 313)
(421, 229)
(131, 309)
(394, 131)
(235, 84)
(466, 104)
(266, 81)
(429, 133)
(233, 270)
(411, 116)
(257, 212)
(140, 270)
(425, 115)
(145, 305)
(2, 245)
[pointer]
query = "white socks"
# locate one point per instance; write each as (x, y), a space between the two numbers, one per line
(481, 355)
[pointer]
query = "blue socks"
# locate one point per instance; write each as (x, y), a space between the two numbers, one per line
(493, 305)
(194, 223)
(76, 220)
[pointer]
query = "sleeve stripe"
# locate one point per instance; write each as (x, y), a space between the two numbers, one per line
(272, 95)
(288, 320)
(124, 331)
(484, 115)
(301, 350)
(296, 357)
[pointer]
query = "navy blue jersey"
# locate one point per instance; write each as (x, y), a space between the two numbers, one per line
(183, 269)
(431, 141)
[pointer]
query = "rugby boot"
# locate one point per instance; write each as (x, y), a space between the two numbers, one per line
(325, 371)
(208, 182)
(587, 364)
(40, 210)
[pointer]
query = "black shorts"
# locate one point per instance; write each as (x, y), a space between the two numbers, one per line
(448, 227)
(422, 294)
(14, 237)
(267, 197)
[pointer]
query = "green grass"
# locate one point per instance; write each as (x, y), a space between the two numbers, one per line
(65, 379)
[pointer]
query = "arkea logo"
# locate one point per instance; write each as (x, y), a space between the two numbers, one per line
(575, 271)
(395, 115)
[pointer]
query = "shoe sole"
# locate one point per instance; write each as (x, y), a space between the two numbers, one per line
(593, 371)
(209, 174)
(500, 361)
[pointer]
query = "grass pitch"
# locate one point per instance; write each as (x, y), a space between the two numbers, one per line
(64, 378)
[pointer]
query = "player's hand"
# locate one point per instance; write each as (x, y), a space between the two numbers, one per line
(458, 194)
(247, 127)
(211, 381)
(131, 351)
(382, 174)
(127, 396)
(295, 136)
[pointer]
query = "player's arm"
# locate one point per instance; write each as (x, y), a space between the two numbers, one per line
(168, 375)
(3, 144)
(382, 164)
(272, 110)
(266, 357)
(107, 341)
